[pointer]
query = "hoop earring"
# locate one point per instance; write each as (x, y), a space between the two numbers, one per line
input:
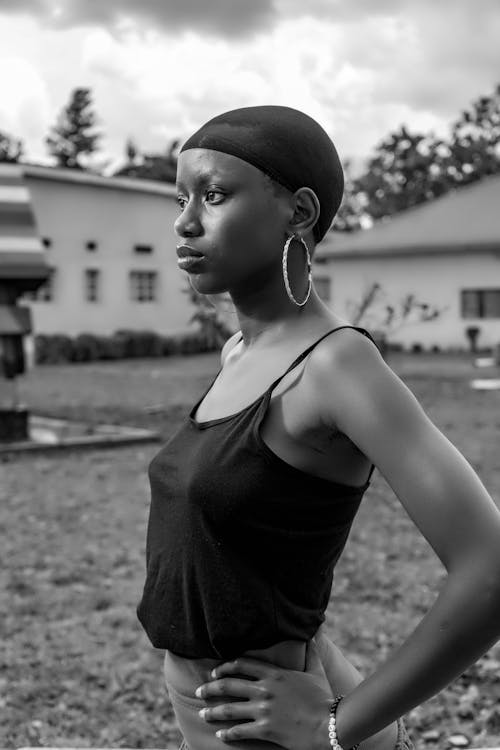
(285, 270)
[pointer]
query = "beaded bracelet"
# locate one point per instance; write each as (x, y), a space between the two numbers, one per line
(332, 728)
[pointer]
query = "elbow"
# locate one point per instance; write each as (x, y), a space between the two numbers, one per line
(492, 585)
(481, 576)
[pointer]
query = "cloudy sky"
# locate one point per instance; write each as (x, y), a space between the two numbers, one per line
(159, 68)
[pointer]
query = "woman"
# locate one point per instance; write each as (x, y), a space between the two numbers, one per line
(253, 497)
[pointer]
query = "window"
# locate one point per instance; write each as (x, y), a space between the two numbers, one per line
(322, 284)
(491, 303)
(143, 286)
(92, 285)
(480, 303)
(143, 249)
(470, 303)
(45, 292)
(91, 245)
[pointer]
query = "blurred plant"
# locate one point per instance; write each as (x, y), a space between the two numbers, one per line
(408, 168)
(74, 135)
(131, 151)
(162, 166)
(475, 145)
(352, 210)
(122, 344)
(11, 149)
(385, 319)
(206, 315)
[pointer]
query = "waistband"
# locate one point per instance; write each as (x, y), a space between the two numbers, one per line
(288, 654)
(183, 671)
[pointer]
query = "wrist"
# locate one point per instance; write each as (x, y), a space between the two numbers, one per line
(337, 734)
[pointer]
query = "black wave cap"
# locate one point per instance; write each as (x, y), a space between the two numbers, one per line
(285, 144)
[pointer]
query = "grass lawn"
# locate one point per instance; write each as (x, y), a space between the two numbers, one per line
(76, 669)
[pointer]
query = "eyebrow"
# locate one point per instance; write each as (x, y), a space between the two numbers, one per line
(204, 178)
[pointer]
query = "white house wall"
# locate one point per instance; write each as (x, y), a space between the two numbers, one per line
(433, 279)
(70, 214)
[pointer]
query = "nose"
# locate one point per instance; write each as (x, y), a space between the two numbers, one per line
(188, 222)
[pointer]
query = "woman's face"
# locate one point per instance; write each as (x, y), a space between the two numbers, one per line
(230, 214)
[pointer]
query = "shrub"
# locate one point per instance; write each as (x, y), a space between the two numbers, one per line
(112, 347)
(126, 339)
(169, 345)
(140, 343)
(53, 349)
(394, 346)
(86, 348)
(122, 344)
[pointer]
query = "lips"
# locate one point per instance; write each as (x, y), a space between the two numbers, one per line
(186, 251)
(192, 264)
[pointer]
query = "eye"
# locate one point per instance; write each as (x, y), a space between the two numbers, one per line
(214, 196)
(181, 200)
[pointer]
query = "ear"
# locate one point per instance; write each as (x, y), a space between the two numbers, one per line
(306, 211)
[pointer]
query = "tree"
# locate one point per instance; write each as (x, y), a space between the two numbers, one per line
(131, 151)
(475, 144)
(353, 207)
(411, 168)
(161, 167)
(406, 169)
(74, 135)
(11, 149)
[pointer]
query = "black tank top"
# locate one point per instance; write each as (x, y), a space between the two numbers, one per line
(241, 545)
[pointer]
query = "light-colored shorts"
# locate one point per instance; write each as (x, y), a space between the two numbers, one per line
(183, 676)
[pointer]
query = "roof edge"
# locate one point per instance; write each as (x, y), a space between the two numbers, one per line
(405, 250)
(84, 178)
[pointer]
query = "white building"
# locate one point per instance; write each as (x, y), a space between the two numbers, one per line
(445, 252)
(110, 245)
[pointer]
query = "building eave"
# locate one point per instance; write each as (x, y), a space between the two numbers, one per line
(80, 177)
(466, 248)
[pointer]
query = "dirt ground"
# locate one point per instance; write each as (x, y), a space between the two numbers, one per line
(76, 669)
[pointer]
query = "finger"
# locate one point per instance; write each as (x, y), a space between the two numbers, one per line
(234, 711)
(255, 668)
(236, 688)
(255, 730)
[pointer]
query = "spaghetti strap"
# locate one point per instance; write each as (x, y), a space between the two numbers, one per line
(309, 349)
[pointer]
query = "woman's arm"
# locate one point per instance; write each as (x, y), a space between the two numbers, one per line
(448, 503)
(354, 390)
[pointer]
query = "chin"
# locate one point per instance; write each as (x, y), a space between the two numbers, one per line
(205, 285)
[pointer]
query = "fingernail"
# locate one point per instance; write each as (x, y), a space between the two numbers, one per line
(198, 692)
(220, 734)
(213, 673)
(202, 712)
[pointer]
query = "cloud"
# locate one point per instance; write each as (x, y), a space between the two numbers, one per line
(24, 106)
(346, 10)
(361, 68)
(168, 89)
(415, 56)
(228, 18)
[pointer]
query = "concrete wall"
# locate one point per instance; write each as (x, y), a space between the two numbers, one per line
(433, 279)
(72, 210)
(72, 213)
